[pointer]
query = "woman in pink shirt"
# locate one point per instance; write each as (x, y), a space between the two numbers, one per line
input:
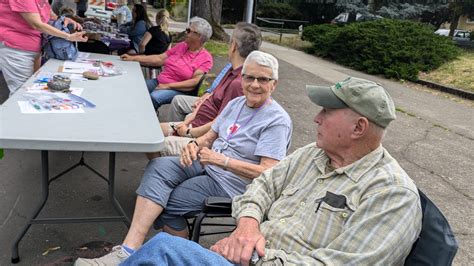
(21, 25)
(183, 65)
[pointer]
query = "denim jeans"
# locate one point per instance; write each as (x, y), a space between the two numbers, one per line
(160, 97)
(179, 190)
(164, 249)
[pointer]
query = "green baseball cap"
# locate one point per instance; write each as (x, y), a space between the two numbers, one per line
(365, 97)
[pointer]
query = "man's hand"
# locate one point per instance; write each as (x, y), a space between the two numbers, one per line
(189, 154)
(77, 26)
(239, 246)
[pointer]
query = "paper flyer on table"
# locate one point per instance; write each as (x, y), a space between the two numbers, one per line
(78, 67)
(38, 101)
(27, 108)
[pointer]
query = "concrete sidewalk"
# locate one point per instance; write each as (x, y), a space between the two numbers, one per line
(432, 138)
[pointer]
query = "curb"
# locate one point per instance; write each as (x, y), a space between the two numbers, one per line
(458, 92)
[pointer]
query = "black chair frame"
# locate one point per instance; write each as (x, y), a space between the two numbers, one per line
(213, 207)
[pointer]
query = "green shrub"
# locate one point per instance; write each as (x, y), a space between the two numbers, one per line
(394, 48)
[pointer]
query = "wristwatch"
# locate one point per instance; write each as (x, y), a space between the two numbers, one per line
(188, 133)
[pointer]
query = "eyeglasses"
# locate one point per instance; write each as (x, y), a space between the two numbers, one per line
(188, 30)
(260, 80)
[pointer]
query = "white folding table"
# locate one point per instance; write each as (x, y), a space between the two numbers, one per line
(122, 121)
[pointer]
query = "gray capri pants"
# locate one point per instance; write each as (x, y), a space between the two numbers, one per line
(16, 65)
(179, 190)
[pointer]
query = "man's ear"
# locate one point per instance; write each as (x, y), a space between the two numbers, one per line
(361, 127)
(233, 46)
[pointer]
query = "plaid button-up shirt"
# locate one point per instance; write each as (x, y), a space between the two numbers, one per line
(378, 222)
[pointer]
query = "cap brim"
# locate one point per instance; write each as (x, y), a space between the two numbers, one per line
(323, 96)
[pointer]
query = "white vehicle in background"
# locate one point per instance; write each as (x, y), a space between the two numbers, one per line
(461, 35)
(461, 38)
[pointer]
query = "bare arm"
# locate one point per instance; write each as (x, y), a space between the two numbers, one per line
(146, 38)
(195, 131)
(185, 85)
(147, 60)
(34, 20)
(53, 15)
(238, 167)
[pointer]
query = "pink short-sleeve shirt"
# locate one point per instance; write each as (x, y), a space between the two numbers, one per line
(15, 32)
(181, 63)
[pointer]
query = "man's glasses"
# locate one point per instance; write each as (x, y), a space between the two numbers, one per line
(188, 30)
(260, 80)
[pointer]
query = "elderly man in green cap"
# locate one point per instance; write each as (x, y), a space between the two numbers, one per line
(343, 201)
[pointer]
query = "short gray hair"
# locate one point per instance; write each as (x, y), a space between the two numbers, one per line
(202, 27)
(247, 37)
(262, 59)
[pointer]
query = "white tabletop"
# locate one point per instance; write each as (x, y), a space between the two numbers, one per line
(123, 120)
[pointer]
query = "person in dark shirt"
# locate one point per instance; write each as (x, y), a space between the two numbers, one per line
(135, 30)
(157, 39)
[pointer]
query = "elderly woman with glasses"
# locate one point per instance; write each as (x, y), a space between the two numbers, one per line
(183, 65)
(250, 135)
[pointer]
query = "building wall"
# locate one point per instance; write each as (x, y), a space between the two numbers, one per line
(466, 23)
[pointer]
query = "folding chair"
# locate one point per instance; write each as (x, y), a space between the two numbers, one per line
(213, 207)
(151, 72)
(195, 91)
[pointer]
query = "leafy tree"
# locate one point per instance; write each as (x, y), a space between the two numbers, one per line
(429, 11)
(459, 8)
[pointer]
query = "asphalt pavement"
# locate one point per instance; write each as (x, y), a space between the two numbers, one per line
(432, 138)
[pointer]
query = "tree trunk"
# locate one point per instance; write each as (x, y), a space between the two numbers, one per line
(352, 17)
(211, 11)
(454, 23)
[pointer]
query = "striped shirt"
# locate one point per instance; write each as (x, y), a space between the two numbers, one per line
(378, 224)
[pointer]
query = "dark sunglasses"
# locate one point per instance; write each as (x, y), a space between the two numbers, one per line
(188, 30)
(260, 80)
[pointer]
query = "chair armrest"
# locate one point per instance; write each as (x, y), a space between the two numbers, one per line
(217, 205)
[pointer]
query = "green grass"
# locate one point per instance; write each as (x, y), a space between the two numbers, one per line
(216, 48)
(398, 109)
(293, 42)
(458, 73)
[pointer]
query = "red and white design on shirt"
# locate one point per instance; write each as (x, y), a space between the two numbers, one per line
(232, 129)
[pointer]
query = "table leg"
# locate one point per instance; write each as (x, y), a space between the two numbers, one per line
(112, 197)
(44, 197)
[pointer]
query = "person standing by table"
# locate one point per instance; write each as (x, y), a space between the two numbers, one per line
(21, 25)
(157, 39)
